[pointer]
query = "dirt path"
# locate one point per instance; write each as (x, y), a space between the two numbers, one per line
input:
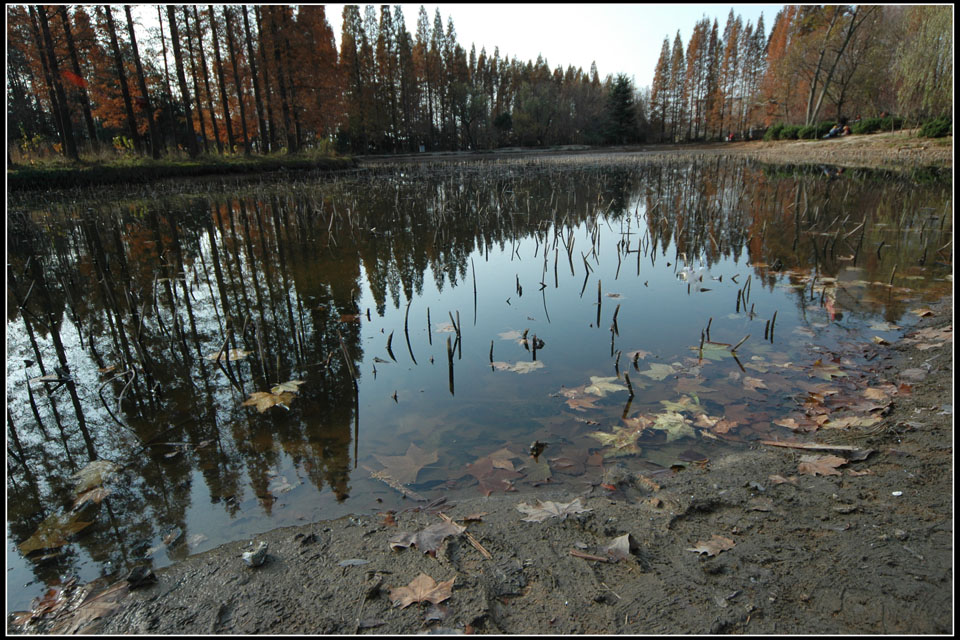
(900, 150)
(867, 551)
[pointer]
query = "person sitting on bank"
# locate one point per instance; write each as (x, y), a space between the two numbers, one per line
(834, 132)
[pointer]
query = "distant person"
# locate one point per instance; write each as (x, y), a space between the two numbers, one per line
(730, 137)
(846, 130)
(834, 132)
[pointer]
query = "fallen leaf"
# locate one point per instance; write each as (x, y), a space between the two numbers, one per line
(658, 371)
(53, 532)
(550, 509)
(95, 495)
(350, 317)
(639, 354)
(674, 424)
(427, 540)
(623, 440)
(922, 312)
(580, 404)
(93, 475)
(622, 547)
(491, 477)
(263, 400)
(289, 386)
(602, 386)
(713, 546)
(519, 367)
(538, 471)
(445, 327)
(423, 588)
(820, 465)
(753, 383)
(404, 469)
(229, 354)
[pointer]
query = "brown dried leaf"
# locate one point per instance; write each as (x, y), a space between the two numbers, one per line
(622, 547)
(263, 400)
(550, 509)
(713, 546)
(404, 469)
(423, 588)
(820, 465)
(427, 540)
(53, 532)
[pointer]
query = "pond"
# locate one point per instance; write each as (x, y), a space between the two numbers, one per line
(200, 362)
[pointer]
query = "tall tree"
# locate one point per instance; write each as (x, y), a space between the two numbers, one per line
(198, 32)
(144, 101)
(660, 90)
(192, 146)
(231, 49)
(924, 63)
(196, 81)
(225, 102)
(252, 61)
(66, 125)
(122, 79)
(621, 112)
(78, 79)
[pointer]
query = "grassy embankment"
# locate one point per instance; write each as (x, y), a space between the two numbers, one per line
(60, 174)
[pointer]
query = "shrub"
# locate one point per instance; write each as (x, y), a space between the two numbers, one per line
(808, 132)
(891, 122)
(789, 132)
(773, 132)
(937, 128)
(867, 125)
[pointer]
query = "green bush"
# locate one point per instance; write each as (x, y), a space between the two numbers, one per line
(891, 122)
(815, 131)
(773, 132)
(789, 132)
(937, 128)
(867, 125)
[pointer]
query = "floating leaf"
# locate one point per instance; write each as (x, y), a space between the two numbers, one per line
(537, 471)
(623, 441)
(602, 386)
(519, 367)
(674, 424)
(490, 476)
(753, 383)
(290, 386)
(714, 351)
(53, 532)
(229, 354)
(445, 327)
(95, 495)
(713, 546)
(404, 469)
(423, 588)
(685, 403)
(263, 400)
(550, 509)
(658, 371)
(93, 475)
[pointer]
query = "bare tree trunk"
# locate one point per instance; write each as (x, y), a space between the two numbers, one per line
(48, 80)
(266, 79)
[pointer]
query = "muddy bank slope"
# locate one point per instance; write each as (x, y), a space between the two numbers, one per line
(868, 550)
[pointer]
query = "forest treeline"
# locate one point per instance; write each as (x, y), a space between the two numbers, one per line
(221, 79)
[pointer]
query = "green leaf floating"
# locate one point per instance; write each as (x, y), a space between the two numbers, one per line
(658, 371)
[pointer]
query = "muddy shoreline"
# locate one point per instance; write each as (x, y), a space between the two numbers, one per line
(868, 551)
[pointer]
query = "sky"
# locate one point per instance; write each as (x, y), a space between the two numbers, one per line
(621, 38)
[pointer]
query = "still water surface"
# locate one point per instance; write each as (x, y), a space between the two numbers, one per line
(597, 302)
